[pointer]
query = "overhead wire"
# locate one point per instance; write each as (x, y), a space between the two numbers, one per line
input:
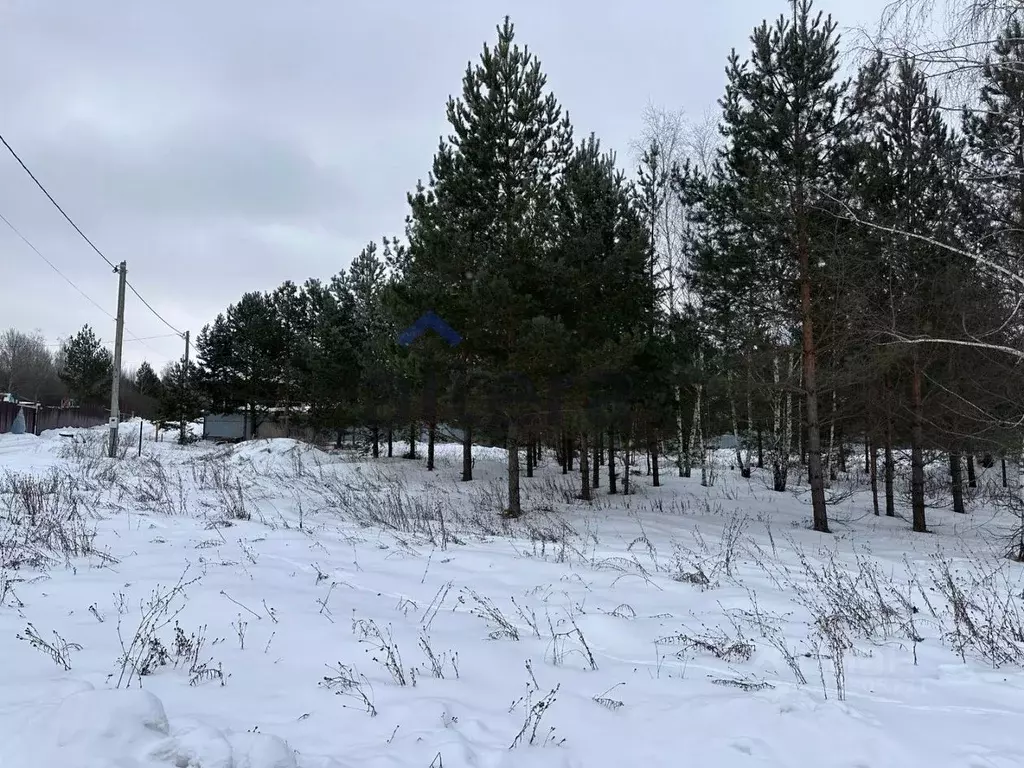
(55, 203)
(87, 297)
(150, 308)
(52, 266)
(83, 235)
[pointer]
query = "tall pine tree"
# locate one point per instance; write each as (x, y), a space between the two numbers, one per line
(480, 232)
(782, 119)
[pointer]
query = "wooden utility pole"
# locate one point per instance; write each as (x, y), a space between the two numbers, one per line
(115, 389)
(184, 388)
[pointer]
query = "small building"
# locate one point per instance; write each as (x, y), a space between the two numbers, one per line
(228, 427)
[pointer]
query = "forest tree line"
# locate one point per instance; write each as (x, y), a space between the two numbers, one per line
(835, 260)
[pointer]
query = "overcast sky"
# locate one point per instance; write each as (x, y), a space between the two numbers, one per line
(226, 146)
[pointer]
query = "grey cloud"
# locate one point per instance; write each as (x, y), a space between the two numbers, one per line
(204, 171)
(226, 146)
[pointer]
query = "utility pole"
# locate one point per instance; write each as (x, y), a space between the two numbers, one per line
(184, 388)
(115, 389)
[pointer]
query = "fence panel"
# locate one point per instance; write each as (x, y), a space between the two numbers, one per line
(70, 418)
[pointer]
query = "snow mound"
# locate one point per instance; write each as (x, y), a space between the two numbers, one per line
(275, 454)
(129, 729)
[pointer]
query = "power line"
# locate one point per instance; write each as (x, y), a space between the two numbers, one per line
(83, 235)
(53, 266)
(86, 296)
(55, 203)
(158, 315)
(140, 339)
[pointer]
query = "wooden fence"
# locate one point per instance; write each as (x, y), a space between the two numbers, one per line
(38, 420)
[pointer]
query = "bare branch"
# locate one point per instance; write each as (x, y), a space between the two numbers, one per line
(959, 343)
(976, 257)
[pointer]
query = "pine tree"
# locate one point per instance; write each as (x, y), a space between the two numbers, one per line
(995, 139)
(911, 185)
(782, 120)
(180, 396)
(243, 356)
(146, 380)
(86, 369)
(366, 282)
(290, 304)
(332, 368)
(480, 231)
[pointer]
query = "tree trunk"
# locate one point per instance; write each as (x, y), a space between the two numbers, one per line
(376, 441)
(339, 439)
(749, 431)
(817, 481)
(611, 462)
(570, 451)
(789, 435)
(956, 478)
(1002, 462)
(890, 471)
(467, 452)
(431, 438)
(760, 449)
(515, 504)
(972, 478)
(531, 447)
(391, 442)
(692, 441)
(598, 458)
(801, 432)
(830, 472)
(697, 433)
(655, 472)
(584, 469)
(872, 469)
(628, 452)
(917, 452)
(682, 452)
(741, 465)
(868, 443)
(413, 430)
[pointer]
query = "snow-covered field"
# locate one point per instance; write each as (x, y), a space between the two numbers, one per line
(272, 605)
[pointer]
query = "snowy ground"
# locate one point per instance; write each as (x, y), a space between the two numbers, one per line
(271, 605)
